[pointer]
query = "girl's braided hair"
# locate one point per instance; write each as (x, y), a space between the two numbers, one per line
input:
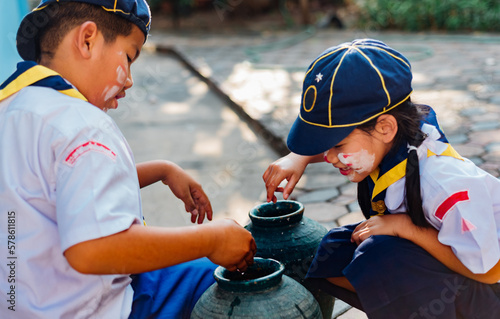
(408, 116)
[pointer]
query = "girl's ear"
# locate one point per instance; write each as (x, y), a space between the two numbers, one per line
(386, 127)
(85, 38)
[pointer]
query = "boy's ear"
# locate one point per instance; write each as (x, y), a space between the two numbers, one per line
(86, 37)
(387, 127)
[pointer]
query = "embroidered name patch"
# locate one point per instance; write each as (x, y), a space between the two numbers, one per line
(449, 203)
(86, 147)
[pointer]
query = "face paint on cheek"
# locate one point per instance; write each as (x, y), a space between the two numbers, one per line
(121, 75)
(112, 90)
(360, 162)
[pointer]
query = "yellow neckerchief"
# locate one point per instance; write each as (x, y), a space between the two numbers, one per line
(29, 73)
(398, 172)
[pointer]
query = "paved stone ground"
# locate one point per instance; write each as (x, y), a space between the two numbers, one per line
(171, 114)
(261, 74)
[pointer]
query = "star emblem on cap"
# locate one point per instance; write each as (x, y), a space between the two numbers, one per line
(319, 77)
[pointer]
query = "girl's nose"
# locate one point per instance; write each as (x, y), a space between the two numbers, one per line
(330, 156)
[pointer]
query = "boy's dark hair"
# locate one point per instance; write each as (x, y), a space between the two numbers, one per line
(408, 116)
(67, 15)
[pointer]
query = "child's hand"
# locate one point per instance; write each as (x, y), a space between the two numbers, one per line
(184, 187)
(393, 225)
(181, 184)
(233, 247)
(291, 168)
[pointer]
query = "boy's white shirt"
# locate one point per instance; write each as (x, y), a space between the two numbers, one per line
(460, 200)
(69, 176)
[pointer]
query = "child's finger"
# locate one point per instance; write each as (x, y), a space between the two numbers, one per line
(209, 213)
(266, 174)
(272, 185)
(206, 208)
(194, 215)
(290, 186)
(201, 217)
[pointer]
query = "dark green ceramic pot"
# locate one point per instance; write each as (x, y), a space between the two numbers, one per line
(262, 291)
(282, 232)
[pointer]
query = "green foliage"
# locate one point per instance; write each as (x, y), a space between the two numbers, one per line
(417, 15)
(154, 4)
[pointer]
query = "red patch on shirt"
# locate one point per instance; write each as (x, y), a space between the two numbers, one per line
(86, 147)
(449, 203)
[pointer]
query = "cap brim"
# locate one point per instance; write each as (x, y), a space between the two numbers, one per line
(307, 139)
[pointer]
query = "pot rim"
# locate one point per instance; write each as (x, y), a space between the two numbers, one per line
(270, 280)
(292, 217)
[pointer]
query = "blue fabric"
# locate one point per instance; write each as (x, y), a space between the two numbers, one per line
(395, 278)
(135, 11)
(345, 86)
(334, 253)
(56, 82)
(172, 292)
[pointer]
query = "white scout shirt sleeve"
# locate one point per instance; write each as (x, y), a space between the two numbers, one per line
(459, 200)
(97, 186)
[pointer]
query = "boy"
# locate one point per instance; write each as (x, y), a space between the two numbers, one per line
(69, 188)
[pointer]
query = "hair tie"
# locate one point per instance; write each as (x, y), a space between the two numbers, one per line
(412, 148)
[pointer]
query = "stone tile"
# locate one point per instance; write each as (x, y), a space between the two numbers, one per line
(484, 138)
(476, 160)
(350, 189)
(351, 218)
(492, 168)
(492, 159)
(295, 194)
(495, 99)
(354, 207)
(473, 111)
(324, 212)
(345, 199)
(485, 126)
(315, 181)
(485, 117)
(321, 195)
(468, 150)
(493, 147)
(457, 138)
(330, 225)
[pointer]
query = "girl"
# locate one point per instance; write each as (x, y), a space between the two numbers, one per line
(429, 247)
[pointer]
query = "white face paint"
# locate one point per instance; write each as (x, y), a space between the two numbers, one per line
(112, 90)
(359, 162)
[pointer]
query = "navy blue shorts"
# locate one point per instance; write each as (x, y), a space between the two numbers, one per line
(172, 292)
(395, 278)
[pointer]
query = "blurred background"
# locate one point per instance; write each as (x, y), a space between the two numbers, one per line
(219, 83)
(409, 15)
(264, 16)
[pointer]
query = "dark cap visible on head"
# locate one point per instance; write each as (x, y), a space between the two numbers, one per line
(135, 11)
(348, 85)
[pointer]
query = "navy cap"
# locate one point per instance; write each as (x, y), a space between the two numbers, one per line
(348, 85)
(135, 11)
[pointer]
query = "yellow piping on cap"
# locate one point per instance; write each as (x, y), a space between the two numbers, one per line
(358, 123)
(331, 87)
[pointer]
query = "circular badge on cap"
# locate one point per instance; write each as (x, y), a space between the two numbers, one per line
(309, 99)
